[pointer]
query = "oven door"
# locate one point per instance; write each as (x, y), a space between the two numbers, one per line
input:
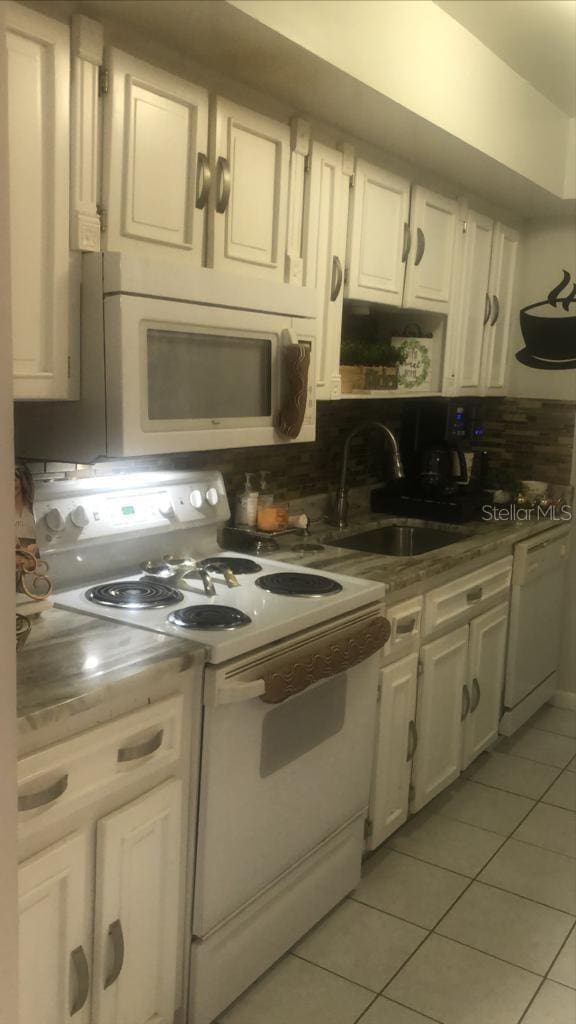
(187, 377)
(279, 779)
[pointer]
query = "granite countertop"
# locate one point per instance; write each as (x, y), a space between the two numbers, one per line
(481, 542)
(72, 662)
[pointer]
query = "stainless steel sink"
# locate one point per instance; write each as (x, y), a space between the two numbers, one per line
(401, 541)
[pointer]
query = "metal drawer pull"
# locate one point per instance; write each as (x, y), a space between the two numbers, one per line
(337, 278)
(465, 702)
(406, 627)
(141, 749)
(224, 184)
(474, 595)
(117, 938)
(412, 740)
(487, 310)
(407, 242)
(495, 310)
(203, 181)
(31, 801)
(79, 966)
(420, 246)
(476, 694)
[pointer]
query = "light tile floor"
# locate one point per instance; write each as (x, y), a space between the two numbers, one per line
(467, 915)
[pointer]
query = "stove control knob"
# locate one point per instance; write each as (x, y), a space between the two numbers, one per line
(79, 517)
(196, 499)
(166, 509)
(212, 496)
(55, 520)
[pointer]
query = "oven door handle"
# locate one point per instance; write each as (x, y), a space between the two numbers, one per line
(238, 690)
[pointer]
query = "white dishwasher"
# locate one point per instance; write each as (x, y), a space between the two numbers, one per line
(536, 616)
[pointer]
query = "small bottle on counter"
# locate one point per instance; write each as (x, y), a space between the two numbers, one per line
(265, 500)
(247, 504)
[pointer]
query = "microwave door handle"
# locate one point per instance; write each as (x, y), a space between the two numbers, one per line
(295, 356)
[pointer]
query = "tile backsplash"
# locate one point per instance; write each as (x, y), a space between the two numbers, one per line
(532, 437)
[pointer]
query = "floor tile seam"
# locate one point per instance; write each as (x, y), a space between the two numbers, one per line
(561, 807)
(533, 846)
(439, 814)
(511, 792)
(558, 954)
(534, 760)
(532, 1001)
(401, 968)
(494, 956)
(389, 913)
(530, 899)
(336, 974)
(540, 799)
(554, 732)
(432, 864)
(358, 1020)
(406, 1007)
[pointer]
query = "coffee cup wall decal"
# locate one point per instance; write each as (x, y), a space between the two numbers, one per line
(549, 329)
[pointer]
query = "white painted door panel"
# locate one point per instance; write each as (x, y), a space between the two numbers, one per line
(378, 223)
(249, 196)
(475, 303)
(433, 221)
(487, 658)
(137, 910)
(497, 330)
(44, 314)
(54, 934)
(326, 213)
(154, 175)
(439, 715)
(394, 750)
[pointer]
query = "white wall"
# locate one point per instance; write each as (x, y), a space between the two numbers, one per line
(548, 247)
(8, 950)
(421, 58)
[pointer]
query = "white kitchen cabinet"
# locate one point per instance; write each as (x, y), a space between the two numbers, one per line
(473, 303)
(394, 749)
(439, 715)
(156, 176)
(485, 681)
(497, 329)
(138, 868)
(325, 222)
(45, 287)
(55, 934)
(377, 235)
(250, 157)
(433, 224)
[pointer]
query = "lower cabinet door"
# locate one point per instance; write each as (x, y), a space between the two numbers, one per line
(394, 749)
(138, 865)
(443, 701)
(54, 934)
(487, 659)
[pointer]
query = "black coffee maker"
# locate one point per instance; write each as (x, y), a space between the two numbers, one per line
(445, 466)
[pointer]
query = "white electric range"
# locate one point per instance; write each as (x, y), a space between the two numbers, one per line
(289, 695)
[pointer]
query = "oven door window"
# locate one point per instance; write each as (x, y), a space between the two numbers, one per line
(206, 377)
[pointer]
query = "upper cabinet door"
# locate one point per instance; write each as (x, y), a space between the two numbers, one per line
(497, 330)
(325, 220)
(249, 195)
(155, 169)
(433, 222)
(475, 303)
(137, 910)
(44, 315)
(54, 934)
(377, 235)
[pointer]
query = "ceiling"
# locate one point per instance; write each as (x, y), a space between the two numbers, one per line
(536, 38)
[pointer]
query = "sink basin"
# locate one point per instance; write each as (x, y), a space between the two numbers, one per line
(401, 541)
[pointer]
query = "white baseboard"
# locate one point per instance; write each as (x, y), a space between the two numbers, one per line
(564, 699)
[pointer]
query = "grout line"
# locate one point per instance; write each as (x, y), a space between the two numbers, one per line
(556, 957)
(357, 1020)
(336, 974)
(512, 792)
(388, 913)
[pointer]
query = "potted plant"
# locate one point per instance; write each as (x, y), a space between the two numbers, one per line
(369, 365)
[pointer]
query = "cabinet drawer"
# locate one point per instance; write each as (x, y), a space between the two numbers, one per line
(405, 621)
(467, 594)
(58, 779)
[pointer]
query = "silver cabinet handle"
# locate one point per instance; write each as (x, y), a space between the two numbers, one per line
(31, 801)
(476, 694)
(412, 740)
(407, 242)
(495, 310)
(337, 278)
(474, 595)
(203, 181)
(139, 750)
(465, 702)
(405, 627)
(224, 184)
(79, 966)
(116, 936)
(420, 246)
(487, 310)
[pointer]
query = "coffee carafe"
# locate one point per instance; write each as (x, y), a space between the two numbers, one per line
(442, 470)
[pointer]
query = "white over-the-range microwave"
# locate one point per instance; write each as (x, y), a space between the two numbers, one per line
(176, 359)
